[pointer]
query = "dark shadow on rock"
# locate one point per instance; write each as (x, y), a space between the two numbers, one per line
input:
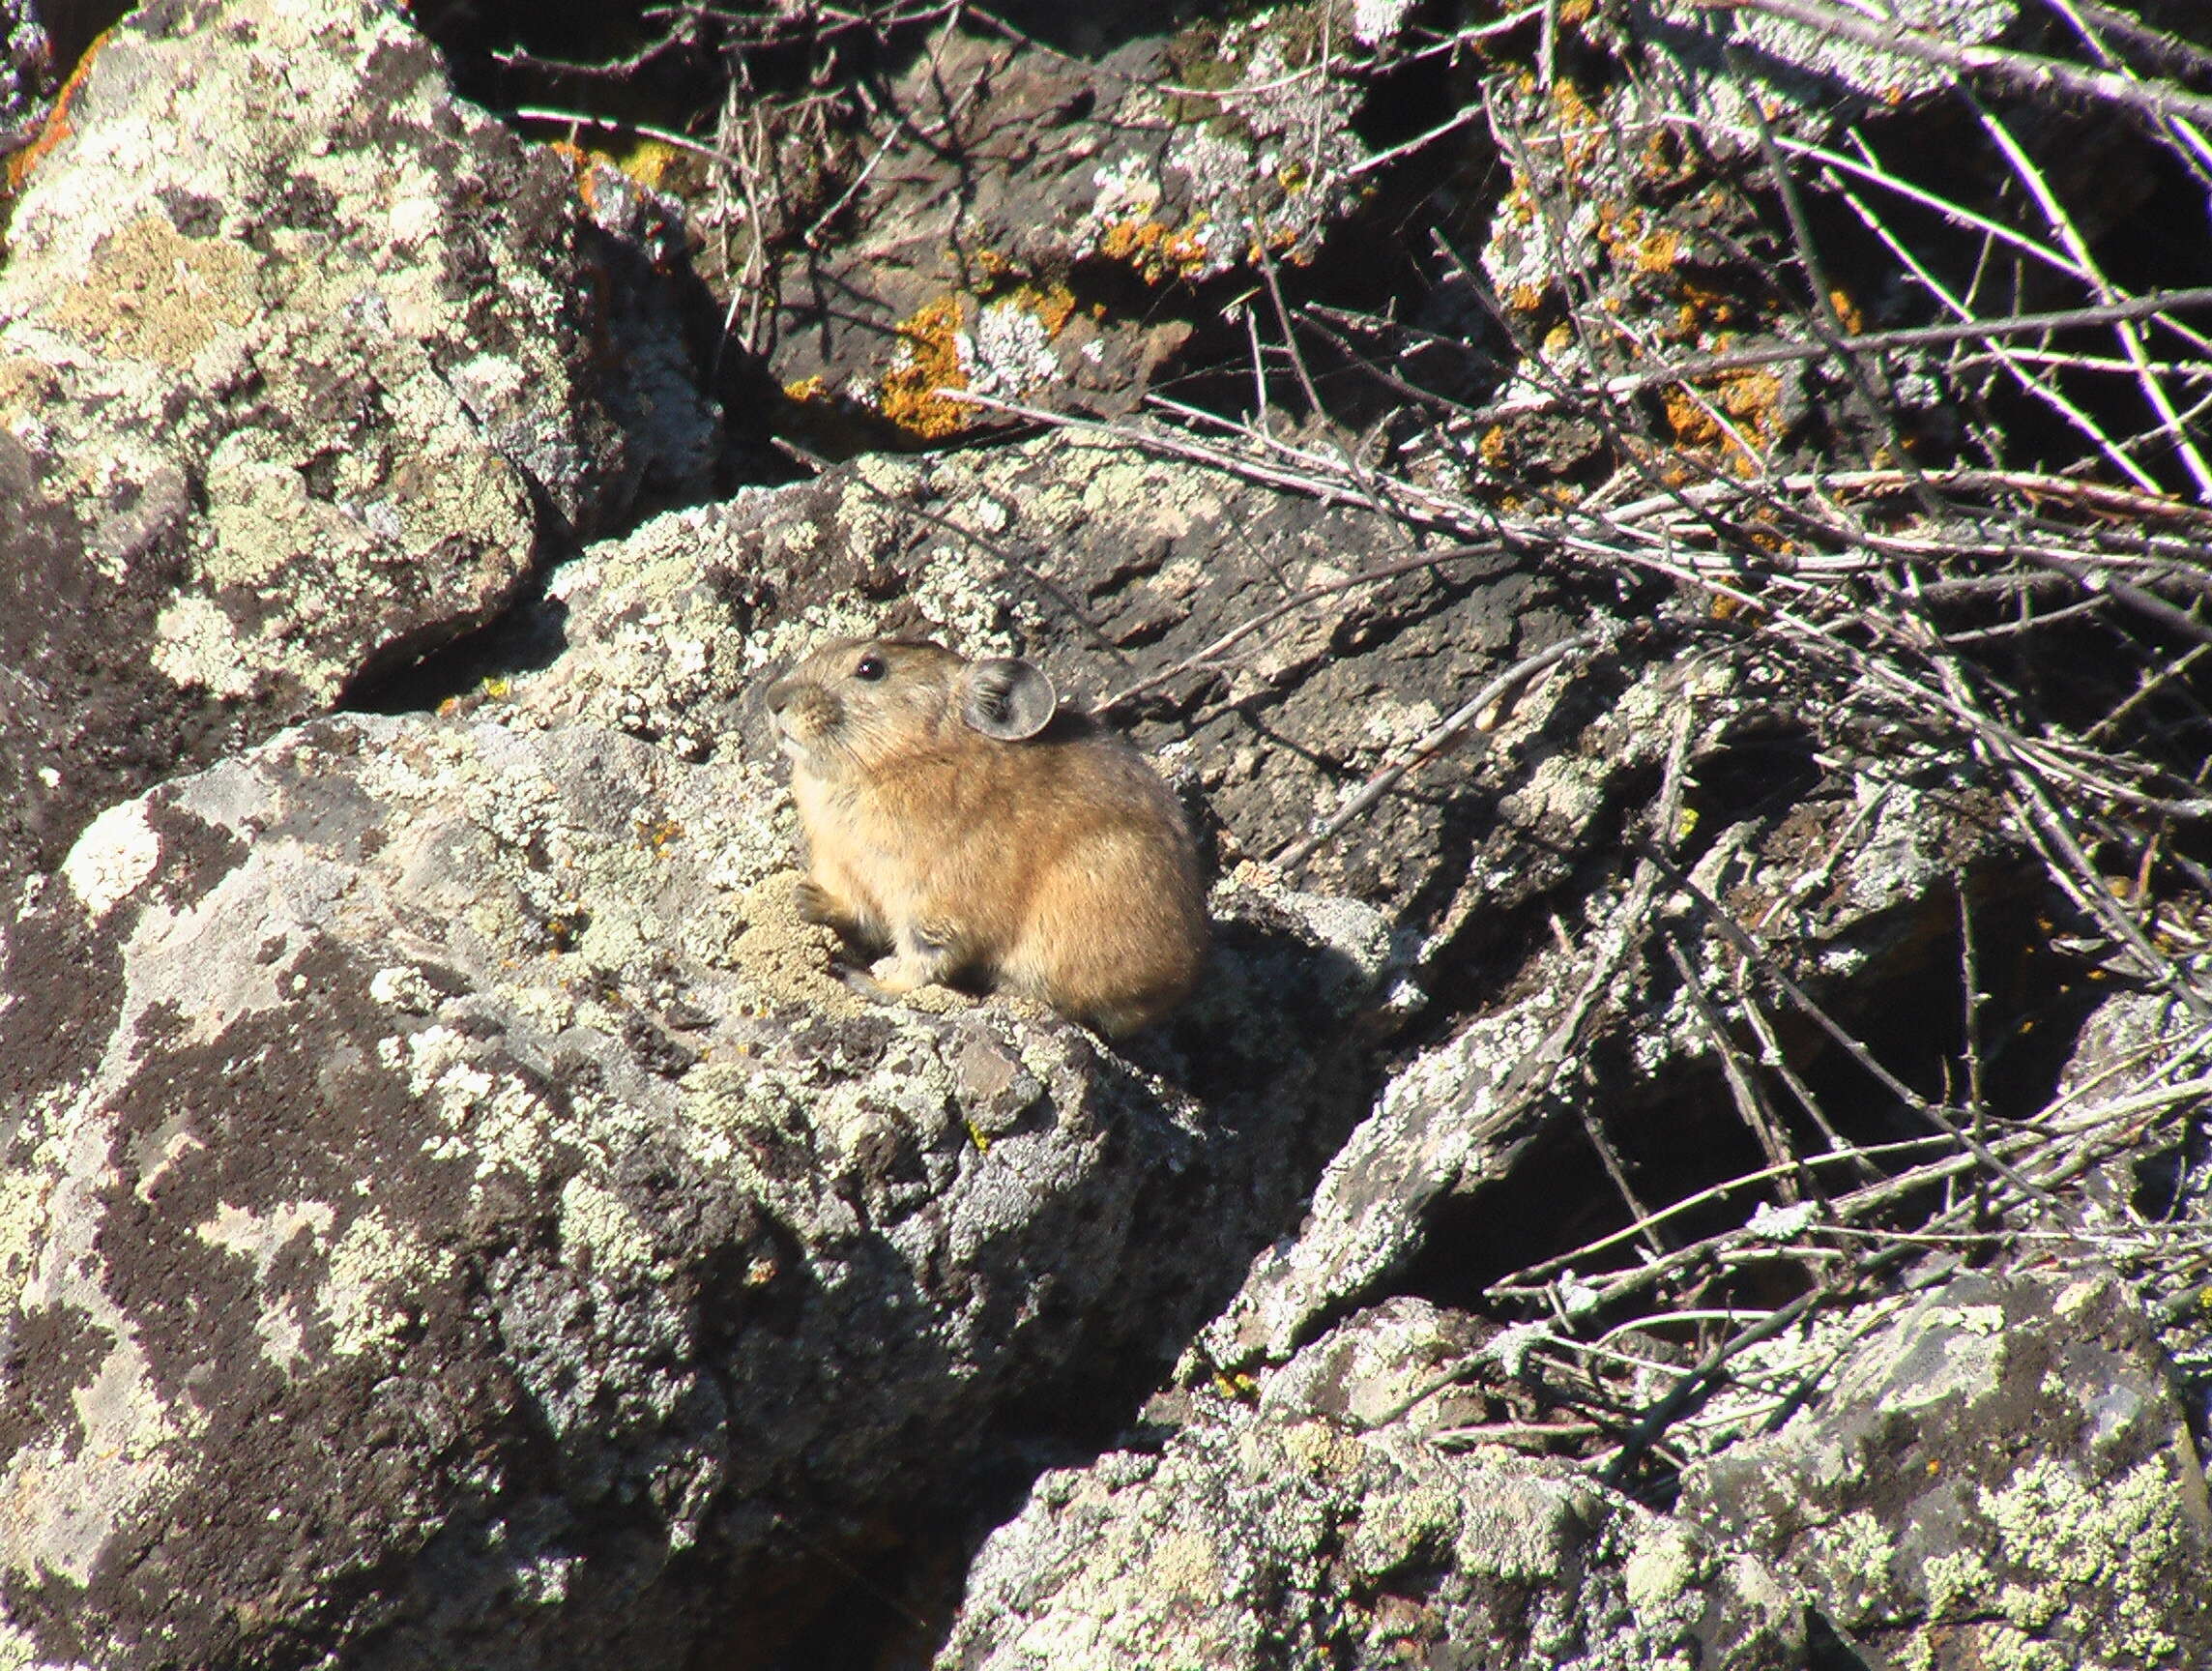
(525, 639)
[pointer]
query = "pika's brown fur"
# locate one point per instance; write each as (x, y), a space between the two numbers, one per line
(954, 817)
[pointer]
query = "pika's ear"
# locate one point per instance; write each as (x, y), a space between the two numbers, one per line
(1005, 698)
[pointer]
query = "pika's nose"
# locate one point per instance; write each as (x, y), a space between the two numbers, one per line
(779, 695)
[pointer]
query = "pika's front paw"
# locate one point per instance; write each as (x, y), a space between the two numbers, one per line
(899, 974)
(816, 905)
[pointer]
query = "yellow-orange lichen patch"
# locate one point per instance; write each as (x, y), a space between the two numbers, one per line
(1752, 403)
(912, 394)
(1579, 123)
(1052, 303)
(56, 127)
(1659, 251)
(582, 164)
(1157, 250)
(648, 162)
(1703, 310)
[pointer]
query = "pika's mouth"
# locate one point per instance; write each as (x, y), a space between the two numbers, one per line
(789, 742)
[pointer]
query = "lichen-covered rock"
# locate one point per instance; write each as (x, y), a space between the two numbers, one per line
(1001, 189)
(1810, 80)
(289, 340)
(1622, 201)
(1324, 1523)
(458, 1216)
(2000, 1477)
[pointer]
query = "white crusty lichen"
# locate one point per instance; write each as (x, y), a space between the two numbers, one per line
(197, 647)
(1007, 351)
(492, 1117)
(117, 852)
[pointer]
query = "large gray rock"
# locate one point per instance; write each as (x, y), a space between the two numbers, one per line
(2002, 1475)
(1324, 1523)
(289, 340)
(456, 1217)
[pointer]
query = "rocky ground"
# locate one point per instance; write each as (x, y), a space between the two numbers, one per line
(1665, 549)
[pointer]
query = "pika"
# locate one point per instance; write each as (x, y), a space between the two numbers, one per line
(956, 815)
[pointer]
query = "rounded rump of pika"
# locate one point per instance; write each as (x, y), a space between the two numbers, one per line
(959, 818)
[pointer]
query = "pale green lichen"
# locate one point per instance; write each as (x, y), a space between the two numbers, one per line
(1400, 1529)
(1854, 1550)
(493, 1119)
(599, 1233)
(262, 520)
(2102, 1555)
(375, 1266)
(1957, 1584)
(1663, 1576)
(196, 647)
(23, 1197)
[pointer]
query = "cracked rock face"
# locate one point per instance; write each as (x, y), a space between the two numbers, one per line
(289, 339)
(1324, 1524)
(2002, 1475)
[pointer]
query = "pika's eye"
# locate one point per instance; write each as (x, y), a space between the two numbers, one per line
(871, 668)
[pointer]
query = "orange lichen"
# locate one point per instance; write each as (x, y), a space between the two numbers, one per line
(1751, 401)
(1703, 312)
(1848, 311)
(584, 166)
(1157, 250)
(1658, 253)
(56, 127)
(912, 394)
(1579, 123)
(1052, 303)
